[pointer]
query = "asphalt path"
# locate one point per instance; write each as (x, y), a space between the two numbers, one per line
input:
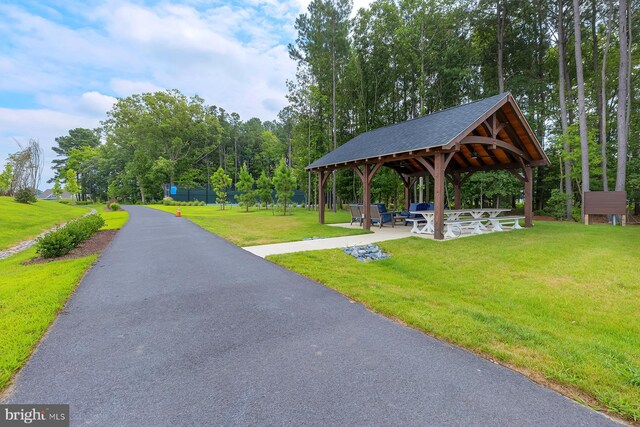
(175, 326)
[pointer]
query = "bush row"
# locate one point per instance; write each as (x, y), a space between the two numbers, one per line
(168, 201)
(77, 202)
(63, 240)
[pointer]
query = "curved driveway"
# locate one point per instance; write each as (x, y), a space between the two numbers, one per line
(175, 326)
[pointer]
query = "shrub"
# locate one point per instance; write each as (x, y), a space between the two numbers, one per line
(114, 206)
(62, 241)
(55, 244)
(201, 203)
(167, 201)
(25, 195)
(64, 202)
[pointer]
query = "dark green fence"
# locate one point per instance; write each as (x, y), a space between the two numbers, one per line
(208, 196)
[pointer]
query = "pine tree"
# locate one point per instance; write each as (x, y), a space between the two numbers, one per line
(245, 184)
(220, 182)
(264, 188)
(284, 182)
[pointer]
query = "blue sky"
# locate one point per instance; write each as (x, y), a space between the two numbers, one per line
(64, 63)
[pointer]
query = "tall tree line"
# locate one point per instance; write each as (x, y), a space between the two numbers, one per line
(569, 69)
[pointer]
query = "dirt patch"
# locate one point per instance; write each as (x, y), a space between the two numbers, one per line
(95, 244)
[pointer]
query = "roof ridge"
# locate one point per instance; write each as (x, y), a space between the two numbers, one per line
(436, 112)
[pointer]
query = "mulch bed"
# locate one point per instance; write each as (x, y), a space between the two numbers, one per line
(95, 244)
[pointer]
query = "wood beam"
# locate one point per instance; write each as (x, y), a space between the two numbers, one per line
(366, 198)
(482, 140)
(321, 181)
(528, 196)
(426, 164)
(438, 197)
(374, 170)
(358, 171)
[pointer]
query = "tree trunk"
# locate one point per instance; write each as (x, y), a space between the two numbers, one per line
(309, 159)
(582, 116)
(603, 103)
(500, 15)
(621, 175)
(562, 61)
(333, 105)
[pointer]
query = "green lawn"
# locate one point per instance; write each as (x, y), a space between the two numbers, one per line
(560, 302)
(259, 227)
(19, 221)
(32, 295)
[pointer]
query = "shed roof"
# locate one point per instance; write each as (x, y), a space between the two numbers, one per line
(442, 129)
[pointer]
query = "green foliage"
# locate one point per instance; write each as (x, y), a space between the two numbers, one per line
(221, 182)
(25, 195)
(57, 188)
(284, 182)
(114, 206)
(62, 241)
(245, 184)
(263, 190)
(556, 206)
(71, 184)
(5, 179)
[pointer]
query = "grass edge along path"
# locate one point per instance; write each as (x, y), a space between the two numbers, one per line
(557, 303)
(22, 221)
(261, 226)
(32, 296)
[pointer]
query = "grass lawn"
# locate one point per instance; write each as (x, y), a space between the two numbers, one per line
(19, 221)
(559, 302)
(259, 227)
(32, 295)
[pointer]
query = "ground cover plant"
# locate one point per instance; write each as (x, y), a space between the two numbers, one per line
(24, 221)
(558, 302)
(31, 296)
(261, 226)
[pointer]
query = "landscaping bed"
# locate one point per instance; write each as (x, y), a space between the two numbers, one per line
(97, 243)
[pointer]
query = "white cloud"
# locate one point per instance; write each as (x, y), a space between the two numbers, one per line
(73, 64)
(43, 125)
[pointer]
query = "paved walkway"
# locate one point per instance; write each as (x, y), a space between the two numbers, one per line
(175, 326)
(378, 235)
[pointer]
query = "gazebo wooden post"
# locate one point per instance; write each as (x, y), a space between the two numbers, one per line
(528, 196)
(457, 198)
(321, 181)
(366, 198)
(438, 196)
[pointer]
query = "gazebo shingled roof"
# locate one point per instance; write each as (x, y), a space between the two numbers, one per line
(487, 134)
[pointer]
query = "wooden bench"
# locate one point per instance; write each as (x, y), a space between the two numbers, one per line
(499, 221)
(458, 225)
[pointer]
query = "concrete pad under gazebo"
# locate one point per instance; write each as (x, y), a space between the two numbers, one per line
(489, 134)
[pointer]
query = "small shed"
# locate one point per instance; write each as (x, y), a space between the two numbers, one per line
(488, 134)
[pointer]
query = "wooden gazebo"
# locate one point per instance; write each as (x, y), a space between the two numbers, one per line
(488, 134)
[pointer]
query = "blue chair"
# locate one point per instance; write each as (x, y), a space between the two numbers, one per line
(380, 216)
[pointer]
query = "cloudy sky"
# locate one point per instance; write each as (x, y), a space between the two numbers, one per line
(63, 63)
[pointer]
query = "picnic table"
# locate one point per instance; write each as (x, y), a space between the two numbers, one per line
(458, 219)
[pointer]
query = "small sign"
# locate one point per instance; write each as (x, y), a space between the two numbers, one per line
(34, 415)
(174, 190)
